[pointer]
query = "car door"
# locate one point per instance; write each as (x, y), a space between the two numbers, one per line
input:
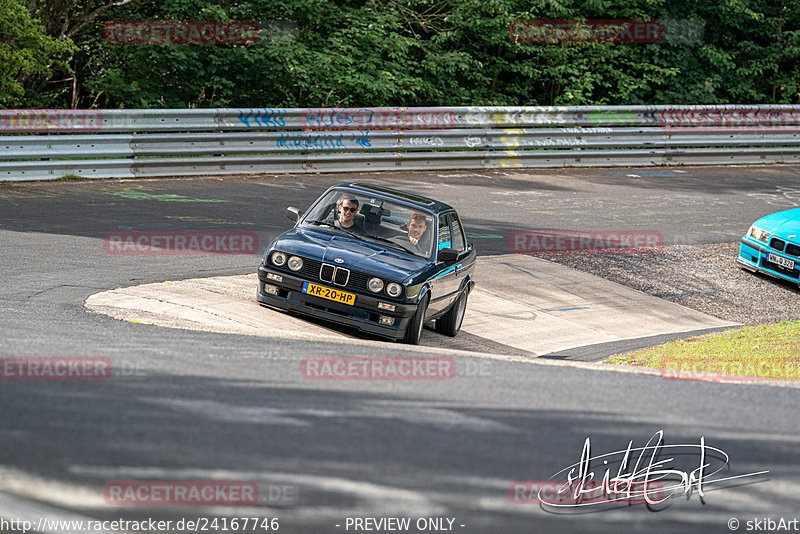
(445, 283)
(465, 264)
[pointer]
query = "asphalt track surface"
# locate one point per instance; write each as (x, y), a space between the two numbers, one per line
(199, 406)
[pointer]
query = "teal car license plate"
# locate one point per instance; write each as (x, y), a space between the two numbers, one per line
(780, 260)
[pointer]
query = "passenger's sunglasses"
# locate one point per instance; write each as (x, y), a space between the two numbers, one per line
(351, 210)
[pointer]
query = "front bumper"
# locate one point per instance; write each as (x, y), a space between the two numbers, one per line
(363, 315)
(754, 257)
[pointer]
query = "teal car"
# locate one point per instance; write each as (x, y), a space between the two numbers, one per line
(772, 245)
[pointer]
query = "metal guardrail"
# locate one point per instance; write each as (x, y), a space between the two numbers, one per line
(47, 144)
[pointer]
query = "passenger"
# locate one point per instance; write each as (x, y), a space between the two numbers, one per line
(417, 224)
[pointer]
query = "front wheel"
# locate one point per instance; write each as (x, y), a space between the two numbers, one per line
(450, 323)
(414, 328)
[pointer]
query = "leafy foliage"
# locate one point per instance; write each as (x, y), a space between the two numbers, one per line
(351, 53)
(27, 57)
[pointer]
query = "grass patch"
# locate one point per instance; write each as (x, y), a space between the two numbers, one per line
(760, 352)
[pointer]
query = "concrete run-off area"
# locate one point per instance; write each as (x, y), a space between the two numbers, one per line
(521, 305)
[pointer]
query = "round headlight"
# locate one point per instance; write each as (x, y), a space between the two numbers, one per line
(375, 285)
(394, 290)
(295, 263)
(279, 259)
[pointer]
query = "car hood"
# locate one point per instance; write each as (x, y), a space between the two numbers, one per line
(355, 254)
(783, 223)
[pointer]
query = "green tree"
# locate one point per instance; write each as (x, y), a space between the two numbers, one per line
(347, 53)
(28, 58)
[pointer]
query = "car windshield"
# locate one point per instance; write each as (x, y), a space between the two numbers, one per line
(375, 220)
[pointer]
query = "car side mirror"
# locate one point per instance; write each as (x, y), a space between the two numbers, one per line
(293, 213)
(447, 254)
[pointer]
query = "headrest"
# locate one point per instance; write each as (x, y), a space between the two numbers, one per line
(372, 213)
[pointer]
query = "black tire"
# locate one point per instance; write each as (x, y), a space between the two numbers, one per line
(414, 329)
(450, 323)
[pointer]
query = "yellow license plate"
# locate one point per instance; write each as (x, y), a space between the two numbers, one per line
(328, 293)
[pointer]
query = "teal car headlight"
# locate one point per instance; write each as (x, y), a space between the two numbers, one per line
(758, 234)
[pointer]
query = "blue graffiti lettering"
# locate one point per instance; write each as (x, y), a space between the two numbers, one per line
(243, 119)
(338, 117)
(361, 138)
(309, 141)
(264, 118)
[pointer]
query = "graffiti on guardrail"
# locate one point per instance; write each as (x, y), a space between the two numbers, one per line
(338, 118)
(45, 120)
(379, 118)
(508, 116)
(472, 141)
(263, 118)
(426, 141)
(555, 142)
(525, 138)
(323, 140)
(483, 136)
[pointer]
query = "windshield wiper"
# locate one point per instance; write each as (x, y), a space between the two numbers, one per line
(321, 223)
(388, 241)
(361, 236)
(331, 225)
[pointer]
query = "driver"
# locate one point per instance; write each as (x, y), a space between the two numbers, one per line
(347, 206)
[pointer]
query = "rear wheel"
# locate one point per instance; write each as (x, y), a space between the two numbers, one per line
(414, 328)
(450, 323)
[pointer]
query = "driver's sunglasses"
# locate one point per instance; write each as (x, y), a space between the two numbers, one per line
(351, 210)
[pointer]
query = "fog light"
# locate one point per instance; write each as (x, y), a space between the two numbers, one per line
(384, 306)
(276, 277)
(272, 290)
(387, 320)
